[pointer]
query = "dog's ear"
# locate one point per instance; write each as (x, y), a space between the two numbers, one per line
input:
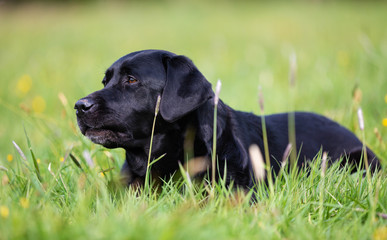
(185, 89)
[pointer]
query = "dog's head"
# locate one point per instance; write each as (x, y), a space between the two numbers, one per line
(121, 114)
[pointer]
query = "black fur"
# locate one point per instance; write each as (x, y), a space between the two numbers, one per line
(121, 114)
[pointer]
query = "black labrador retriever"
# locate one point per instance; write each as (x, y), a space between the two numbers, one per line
(121, 116)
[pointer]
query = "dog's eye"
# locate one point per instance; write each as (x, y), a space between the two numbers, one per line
(131, 80)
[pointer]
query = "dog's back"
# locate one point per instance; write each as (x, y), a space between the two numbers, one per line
(314, 133)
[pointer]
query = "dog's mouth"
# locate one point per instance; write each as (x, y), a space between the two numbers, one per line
(104, 137)
(99, 136)
(97, 132)
(109, 138)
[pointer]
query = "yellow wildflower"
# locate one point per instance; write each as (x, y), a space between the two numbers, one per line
(38, 104)
(38, 160)
(24, 202)
(380, 233)
(385, 98)
(384, 122)
(102, 174)
(9, 157)
(61, 159)
(24, 84)
(4, 211)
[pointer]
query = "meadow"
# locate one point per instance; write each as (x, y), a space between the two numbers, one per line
(56, 184)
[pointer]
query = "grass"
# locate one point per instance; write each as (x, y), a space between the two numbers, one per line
(53, 55)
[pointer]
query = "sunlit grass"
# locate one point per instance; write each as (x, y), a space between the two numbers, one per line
(89, 203)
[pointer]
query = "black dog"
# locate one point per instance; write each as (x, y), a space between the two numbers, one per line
(121, 115)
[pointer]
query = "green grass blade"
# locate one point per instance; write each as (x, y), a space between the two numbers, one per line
(33, 156)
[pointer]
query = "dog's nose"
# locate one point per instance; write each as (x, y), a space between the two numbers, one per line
(83, 105)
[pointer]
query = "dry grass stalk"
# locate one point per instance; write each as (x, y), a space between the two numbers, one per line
(19, 151)
(286, 155)
(214, 135)
(257, 162)
(324, 164)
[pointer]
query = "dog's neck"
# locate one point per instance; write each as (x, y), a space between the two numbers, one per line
(167, 144)
(229, 142)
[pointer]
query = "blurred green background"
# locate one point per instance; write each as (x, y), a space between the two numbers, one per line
(49, 49)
